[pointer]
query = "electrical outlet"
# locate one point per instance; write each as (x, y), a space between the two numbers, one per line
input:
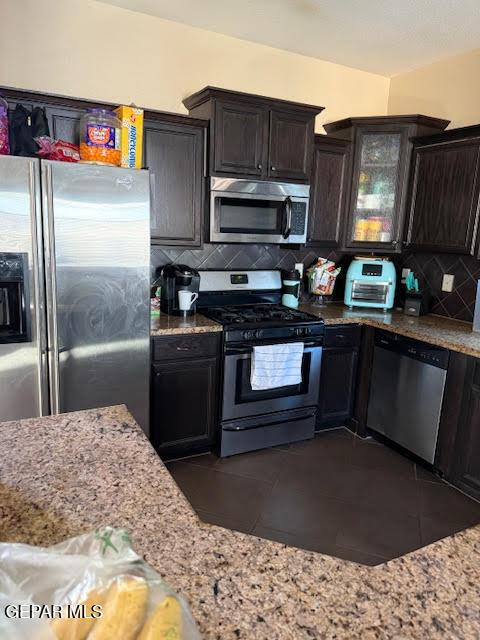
(405, 273)
(447, 282)
(299, 267)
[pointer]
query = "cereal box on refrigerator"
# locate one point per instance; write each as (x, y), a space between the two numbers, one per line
(131, 136)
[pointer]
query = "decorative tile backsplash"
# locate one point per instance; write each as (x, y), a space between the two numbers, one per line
(429, 268)
(237, 256)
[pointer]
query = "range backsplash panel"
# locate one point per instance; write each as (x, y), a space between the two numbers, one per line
(237, 256)
(250, 256)
(429, 268)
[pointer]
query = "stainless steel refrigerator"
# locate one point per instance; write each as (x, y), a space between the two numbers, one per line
(74, 288)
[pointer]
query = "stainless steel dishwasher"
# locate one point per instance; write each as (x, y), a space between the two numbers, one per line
(406, 392)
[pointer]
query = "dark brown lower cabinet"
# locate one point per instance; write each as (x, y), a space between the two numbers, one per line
(358, 423)
(458, 449)
(183, 399)
(338, 376)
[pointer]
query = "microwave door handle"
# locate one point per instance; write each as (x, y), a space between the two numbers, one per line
(288, 217)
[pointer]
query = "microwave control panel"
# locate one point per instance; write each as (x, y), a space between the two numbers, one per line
(299, 218)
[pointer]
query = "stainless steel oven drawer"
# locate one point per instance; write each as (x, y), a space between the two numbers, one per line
(270, 431)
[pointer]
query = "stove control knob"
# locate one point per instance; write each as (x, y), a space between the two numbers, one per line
(258, 333)
(246, 335)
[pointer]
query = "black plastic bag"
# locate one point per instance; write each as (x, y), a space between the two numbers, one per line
(24, 126)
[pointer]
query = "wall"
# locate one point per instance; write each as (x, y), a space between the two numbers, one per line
(446, 89)
(87, 49)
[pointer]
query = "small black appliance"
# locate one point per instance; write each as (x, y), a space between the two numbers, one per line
(417, 303)
(175, 281)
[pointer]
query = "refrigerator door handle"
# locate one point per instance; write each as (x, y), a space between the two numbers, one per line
(38, 285)
(51, 288)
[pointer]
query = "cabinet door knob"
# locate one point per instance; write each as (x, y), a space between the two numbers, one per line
(273, 168)
(259, 166)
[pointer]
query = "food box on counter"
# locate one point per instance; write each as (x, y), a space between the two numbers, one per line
(131, 136)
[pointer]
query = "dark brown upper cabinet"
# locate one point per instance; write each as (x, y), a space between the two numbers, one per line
(444, 202)
(174, 153)
(63, 119)
(256, 137)
(328, 191)
(240, 143)
(381, 156)
(290, 144)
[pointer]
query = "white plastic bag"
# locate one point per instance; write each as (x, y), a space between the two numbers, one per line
(41, 588)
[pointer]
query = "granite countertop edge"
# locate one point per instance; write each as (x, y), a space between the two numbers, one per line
(82, 470)
(452, 334)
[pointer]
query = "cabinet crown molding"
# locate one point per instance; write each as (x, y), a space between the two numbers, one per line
(208, 93)
(414, 119)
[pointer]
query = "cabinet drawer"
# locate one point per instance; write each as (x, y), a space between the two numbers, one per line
(342, 335)
(185, 347)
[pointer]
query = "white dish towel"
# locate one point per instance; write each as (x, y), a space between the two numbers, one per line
(276, 365)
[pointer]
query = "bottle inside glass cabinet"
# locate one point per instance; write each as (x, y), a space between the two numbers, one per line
(374, 209)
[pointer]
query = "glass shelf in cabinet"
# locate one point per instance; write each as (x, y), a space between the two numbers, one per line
(379, 165)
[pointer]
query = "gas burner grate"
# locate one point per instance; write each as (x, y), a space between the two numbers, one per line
(257, 313)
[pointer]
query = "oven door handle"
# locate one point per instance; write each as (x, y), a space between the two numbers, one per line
(287, 209)
(240, 350)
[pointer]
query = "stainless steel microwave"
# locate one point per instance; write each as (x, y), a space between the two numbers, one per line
(254, 211)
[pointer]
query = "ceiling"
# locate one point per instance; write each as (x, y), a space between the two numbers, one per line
(381, 36)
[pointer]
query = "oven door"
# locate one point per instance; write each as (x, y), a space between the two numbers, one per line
(241, 401)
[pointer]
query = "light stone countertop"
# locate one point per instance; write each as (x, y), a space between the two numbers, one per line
(438, 330)
(67, 474)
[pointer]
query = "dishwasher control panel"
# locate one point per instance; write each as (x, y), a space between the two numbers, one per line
(421, 351)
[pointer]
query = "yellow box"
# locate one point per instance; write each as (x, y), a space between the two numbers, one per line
(131, 136)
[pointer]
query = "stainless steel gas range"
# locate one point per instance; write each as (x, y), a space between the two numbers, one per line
(246, 303)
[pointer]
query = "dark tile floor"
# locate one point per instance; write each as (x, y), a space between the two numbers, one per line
(336, 494)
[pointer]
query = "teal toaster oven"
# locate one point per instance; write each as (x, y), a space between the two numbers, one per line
(370, 283)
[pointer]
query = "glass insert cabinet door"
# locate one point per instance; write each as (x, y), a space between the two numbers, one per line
(375, 189)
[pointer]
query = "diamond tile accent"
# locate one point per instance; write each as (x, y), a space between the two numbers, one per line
(236, 256)
(429, 268)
